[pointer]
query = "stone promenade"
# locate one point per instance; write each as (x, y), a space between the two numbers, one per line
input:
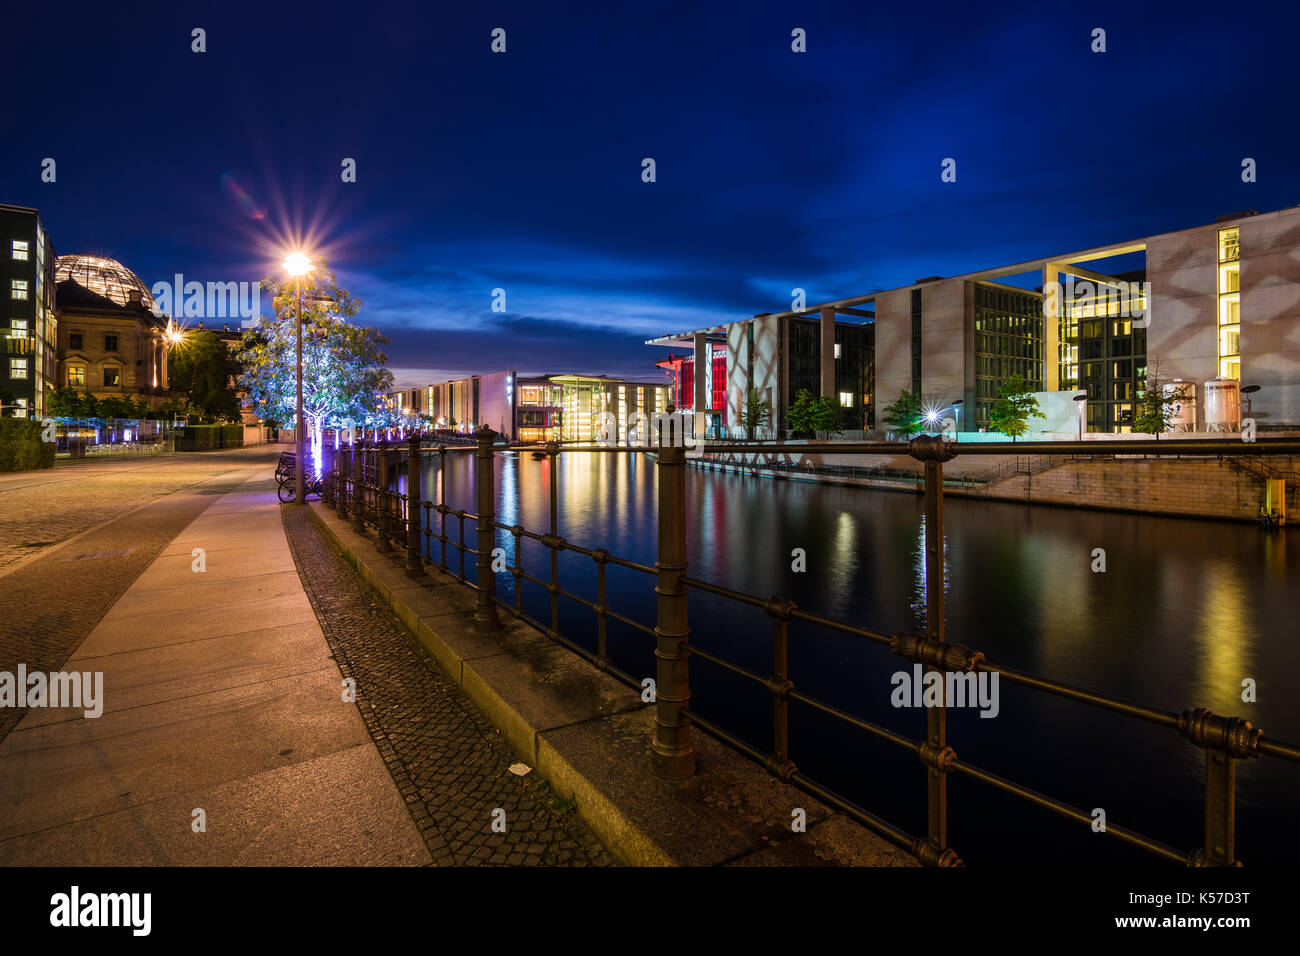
(225, 738)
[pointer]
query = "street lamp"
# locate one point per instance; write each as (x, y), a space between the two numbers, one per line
(1079, 400)
(298, 265)
(1249, 390)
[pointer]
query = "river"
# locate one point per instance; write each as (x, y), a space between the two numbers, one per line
(1183, 613)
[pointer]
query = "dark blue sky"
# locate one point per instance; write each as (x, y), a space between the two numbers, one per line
(523, 171)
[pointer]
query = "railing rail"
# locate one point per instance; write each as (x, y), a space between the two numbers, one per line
(363, 486)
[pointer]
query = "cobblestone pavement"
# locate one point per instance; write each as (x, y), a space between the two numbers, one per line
(450, 765)
(39, 509)
(50, 604)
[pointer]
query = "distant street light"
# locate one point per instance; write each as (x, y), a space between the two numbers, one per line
(298, 265)
(1249, 390)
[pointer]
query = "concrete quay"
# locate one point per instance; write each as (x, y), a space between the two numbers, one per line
(589, 736)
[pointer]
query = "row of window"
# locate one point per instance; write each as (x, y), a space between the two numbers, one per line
(111, 377)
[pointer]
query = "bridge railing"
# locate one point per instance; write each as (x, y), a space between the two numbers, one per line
(363, 487)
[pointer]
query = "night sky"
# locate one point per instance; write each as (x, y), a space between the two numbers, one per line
(523, 171)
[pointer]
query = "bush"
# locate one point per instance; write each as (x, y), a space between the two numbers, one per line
(21, 448)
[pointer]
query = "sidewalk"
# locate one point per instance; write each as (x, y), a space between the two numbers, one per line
(220, 694)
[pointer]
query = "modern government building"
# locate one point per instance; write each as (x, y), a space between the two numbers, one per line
(539, 408)
(1215, 308)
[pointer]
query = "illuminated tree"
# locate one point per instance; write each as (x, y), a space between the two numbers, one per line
(342, 363)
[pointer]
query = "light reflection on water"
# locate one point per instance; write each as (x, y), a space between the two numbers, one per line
(1184, 611)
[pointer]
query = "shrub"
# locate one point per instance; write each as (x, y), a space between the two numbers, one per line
(21, 448)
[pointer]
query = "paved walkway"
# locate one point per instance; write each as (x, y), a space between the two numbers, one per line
(221, 696)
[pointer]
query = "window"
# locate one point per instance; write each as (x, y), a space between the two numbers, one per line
(74, 341)
(18, 368)
(18, 328)
(19, 250)
(110, 343)
(837, 349)
(112, 377)
(846, 398)
(77, 375)
(18, 289)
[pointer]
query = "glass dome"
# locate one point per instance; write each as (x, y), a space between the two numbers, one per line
(106, 277)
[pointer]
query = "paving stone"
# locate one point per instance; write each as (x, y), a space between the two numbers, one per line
(450, 765)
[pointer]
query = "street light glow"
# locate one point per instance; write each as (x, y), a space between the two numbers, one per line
(297, 265)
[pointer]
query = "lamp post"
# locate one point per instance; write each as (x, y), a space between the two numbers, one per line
(1248, 391)
(298, 265)
(1079, 400)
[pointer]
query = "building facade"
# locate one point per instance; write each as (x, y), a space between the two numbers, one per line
(110, 341)
(30, 327)
(1215, 307)
(538, 408)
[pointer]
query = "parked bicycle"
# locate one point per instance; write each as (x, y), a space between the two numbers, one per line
(286, 477)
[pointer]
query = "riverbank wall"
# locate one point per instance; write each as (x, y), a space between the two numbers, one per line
(1225, 488)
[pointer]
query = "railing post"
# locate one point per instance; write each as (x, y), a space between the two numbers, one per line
(340, 486)
(485, 611)
(383, 501)
(442, 504)
(1225, 740)
(553, 479)
(672, 751)
(358, 491)
(780, 686)
(933, 451)
(414, 563)
(328, 485)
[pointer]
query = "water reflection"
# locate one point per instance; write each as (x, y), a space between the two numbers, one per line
(1184, 610)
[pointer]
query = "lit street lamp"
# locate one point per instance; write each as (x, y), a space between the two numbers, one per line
(298, 265)
(1080, 399)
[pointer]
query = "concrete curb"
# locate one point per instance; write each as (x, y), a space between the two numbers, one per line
(589, 736)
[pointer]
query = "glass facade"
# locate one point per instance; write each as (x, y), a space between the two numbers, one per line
(1229, 312)
(1008, 341)
(1102, 351)
(855, 361)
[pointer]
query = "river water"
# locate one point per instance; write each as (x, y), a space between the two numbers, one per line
(1183, 613)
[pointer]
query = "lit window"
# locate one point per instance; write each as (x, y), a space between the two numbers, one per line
(18, 368)
(837, 349)
(1229, 244)
(20, 250)
(18, 328)
(77, 375)
(846, 398)
(112, 376)
(18, 289)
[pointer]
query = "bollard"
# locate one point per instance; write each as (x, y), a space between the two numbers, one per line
(672, 751)
(414, 563)
(485, 611)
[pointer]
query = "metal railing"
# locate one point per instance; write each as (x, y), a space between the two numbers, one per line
(363, 487)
